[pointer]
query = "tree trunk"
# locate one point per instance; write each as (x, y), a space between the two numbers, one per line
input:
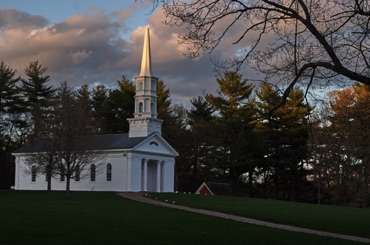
(68, 181)
(49, 173)
(250, 182)
(276, 183)
(49, 182)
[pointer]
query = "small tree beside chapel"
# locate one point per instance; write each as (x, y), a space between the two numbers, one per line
(67, 139)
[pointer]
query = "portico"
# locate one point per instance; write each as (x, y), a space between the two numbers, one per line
(153, 175)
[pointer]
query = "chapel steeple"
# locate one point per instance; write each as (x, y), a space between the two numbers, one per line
(146, 60)
(145, 120)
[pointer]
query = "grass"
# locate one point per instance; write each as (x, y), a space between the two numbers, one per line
(31, 217)
(344, 220)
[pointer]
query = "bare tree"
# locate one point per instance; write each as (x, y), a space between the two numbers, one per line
(294, 41)
(66, 146)
(45, 161)
(43, 155)
(77, 148)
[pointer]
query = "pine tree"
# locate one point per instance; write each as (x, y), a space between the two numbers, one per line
(163, 101)
(37, 93)
(10, 104)
(12, 126)
(199, 163)
(343, 165)
(232, 105)
(286, 135)
(83, 95)
(99, 97)
(119, 106)
(164, 111)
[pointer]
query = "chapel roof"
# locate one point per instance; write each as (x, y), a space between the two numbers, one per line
(103, 142)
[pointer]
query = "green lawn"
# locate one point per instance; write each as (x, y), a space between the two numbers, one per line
(31, 217)
(345, 220)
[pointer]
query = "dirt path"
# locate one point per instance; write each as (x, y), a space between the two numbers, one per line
(140, 198)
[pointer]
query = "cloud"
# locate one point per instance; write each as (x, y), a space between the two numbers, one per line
(71, 49)
(90, 48)
(11, 18)
(78, 57)
(186, 77)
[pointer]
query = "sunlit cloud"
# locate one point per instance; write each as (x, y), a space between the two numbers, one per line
(96, 48)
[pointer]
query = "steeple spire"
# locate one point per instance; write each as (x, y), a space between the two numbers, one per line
(146, 62)
(145, 120)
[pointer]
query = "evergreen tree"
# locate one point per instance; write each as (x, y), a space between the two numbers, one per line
(113, 107)
(37, 93)
(12, 127)
(342, 147)
(99, 98)
(286, 134)
(179, 137)
(163, 101)
(10, 106)
(164, 111)
(232, 106)
(199, 164)
(83, 95)
(119, 106)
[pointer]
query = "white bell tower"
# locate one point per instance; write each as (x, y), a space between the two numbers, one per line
(145, 120)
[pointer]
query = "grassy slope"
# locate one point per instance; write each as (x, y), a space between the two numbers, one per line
(105, 218)
(345, 220)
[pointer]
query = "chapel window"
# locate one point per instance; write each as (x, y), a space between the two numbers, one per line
(109, 172)
(92, 172)
(140, 107)
(33, 174)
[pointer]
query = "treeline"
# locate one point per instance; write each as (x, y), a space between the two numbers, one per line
(260, 142)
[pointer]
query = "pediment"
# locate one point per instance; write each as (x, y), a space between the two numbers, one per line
(156, 144)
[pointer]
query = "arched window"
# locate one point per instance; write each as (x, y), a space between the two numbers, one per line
(109, 172)
(92, 172)
(140, 107)
(33, 174)
(77, 173)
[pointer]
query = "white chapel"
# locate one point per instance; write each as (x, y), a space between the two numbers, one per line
(140, 160)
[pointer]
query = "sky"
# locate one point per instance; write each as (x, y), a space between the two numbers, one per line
(96, 42)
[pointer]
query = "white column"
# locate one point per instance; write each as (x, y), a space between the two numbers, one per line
(128, 172)
(163, 176)
(17, 162)
(169, 172)
(145, 175)
(135, 174)
(158, 177)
